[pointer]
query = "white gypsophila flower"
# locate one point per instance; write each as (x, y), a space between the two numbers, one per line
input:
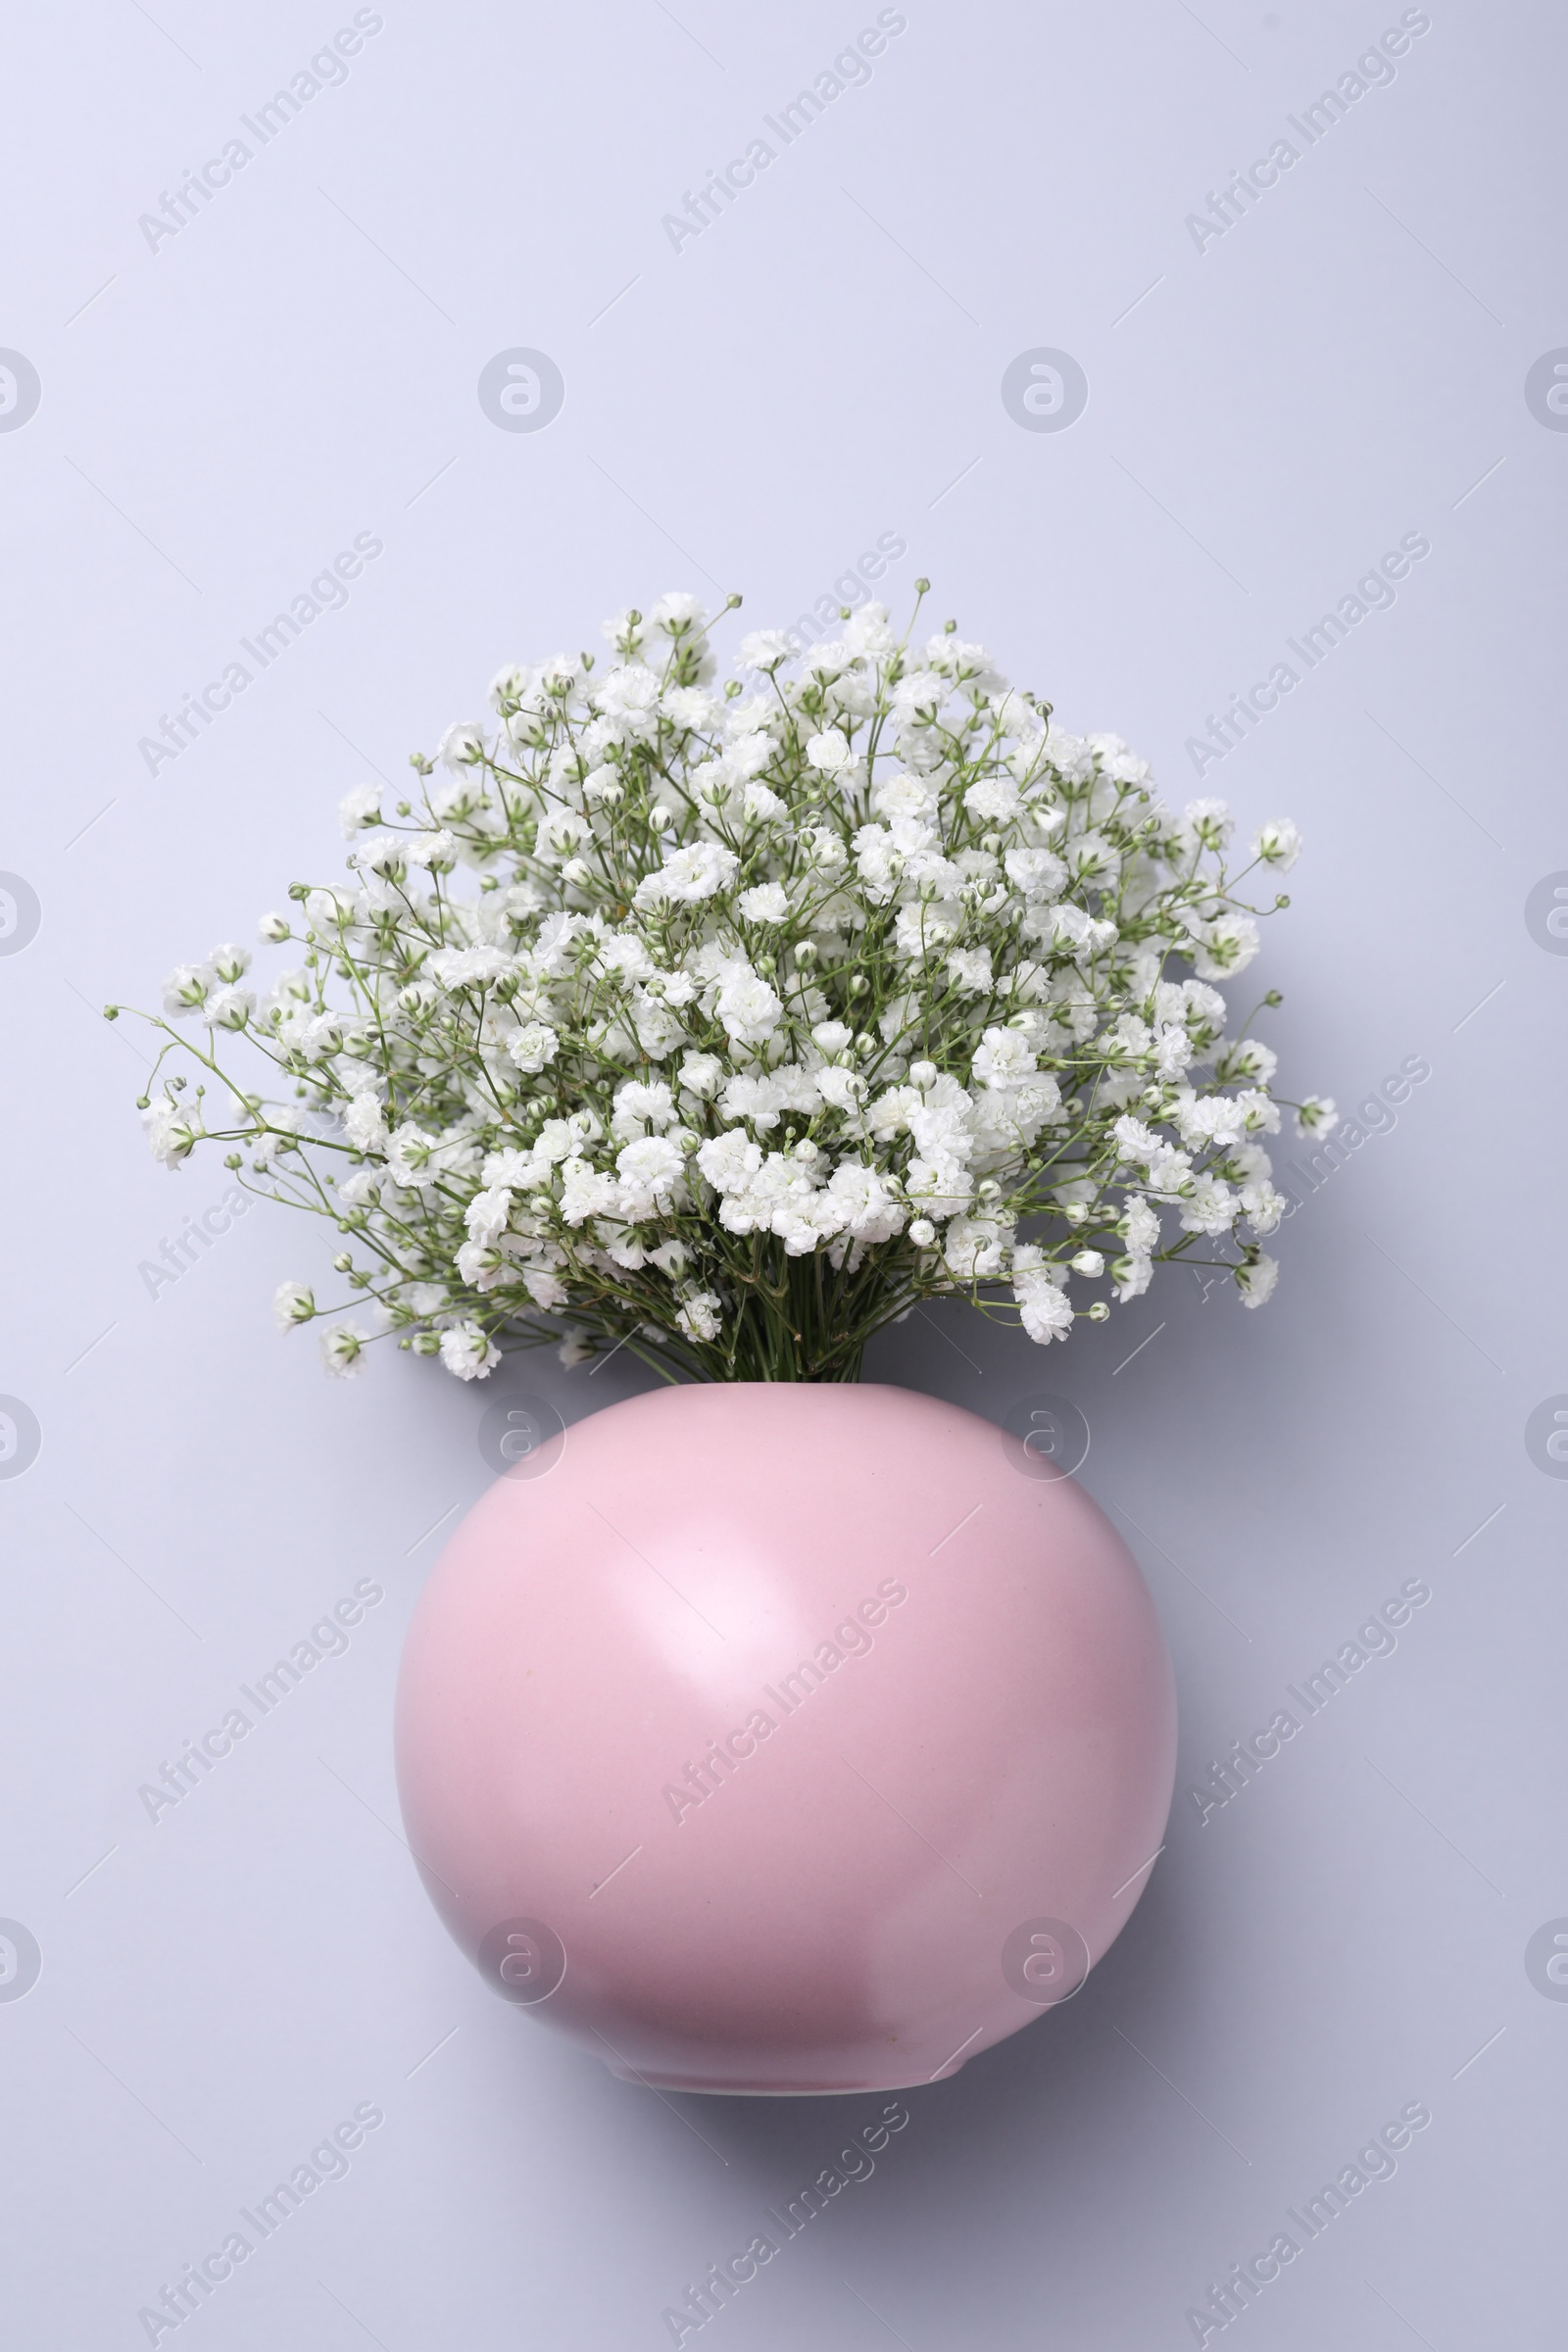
(975, 1248)
(648, 1171)
(1206, 824)
(343, 1347)
(1133, 1275)
(860, 1196)
(764, 649)
(293, 1302)
(186, 988)
(690, 706)
(747, 1006)
(1278, 843)
(585, 1191)
(700, 870)
(897, 793)
(1209, 1207)
(1263, 1207)
(461, 747)
(829, 751)
(532, 1047)
(1043, 1310)
(1248, 1059)
(918, 696)
(172, 1132)
(970, 970)
(840, 1088)
(641, 1104)
(869, 631)
(939, 1188)
(701, 1073)
(760, 804)
(733, 1016)
(768, 903)
(487, 1215)
(677, 614)
(1317, 1116)
(629, 696)
(411, 1155)
(1257, 1279)
(700, 1316)
(435, 848)
(727, 1161)
(229, 1008)
(1141, 1225)
(470, 967)
(511, 684)
(1225, 947)
(994, 797)
(1004, 1057)
(365, 1123)
(1035, 873)
(329, 911)
(359, 808)
(758, 1101)
(468, 1352)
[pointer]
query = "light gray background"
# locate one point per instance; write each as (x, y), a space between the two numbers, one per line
(219, 419)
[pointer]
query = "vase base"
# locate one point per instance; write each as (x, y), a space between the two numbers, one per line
(777, 2090)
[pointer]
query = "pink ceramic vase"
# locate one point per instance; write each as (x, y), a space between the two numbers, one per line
(785, 1739)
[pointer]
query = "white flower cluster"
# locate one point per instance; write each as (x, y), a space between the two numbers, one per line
(729, 1022)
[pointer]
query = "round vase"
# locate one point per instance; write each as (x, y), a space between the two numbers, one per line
(773, 1737)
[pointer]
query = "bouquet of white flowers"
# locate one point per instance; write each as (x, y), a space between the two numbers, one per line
(762, 1014)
